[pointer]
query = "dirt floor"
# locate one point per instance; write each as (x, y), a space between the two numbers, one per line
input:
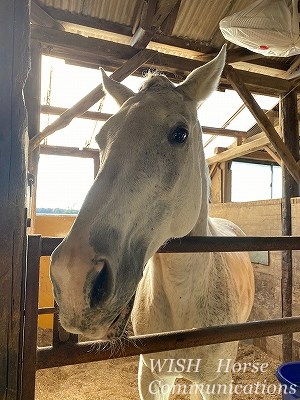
(116, 379)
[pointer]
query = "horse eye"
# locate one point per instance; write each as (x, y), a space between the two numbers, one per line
(179, 135)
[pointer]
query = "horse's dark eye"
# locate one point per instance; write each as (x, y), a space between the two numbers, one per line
(178, 135)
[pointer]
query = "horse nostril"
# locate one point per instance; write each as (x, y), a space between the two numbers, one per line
(100, 288)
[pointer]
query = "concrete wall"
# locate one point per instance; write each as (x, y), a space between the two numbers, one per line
(263, 218)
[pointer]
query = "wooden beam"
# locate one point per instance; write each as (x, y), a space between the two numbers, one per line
(90, 99)
(91, 49)
(232, 56)
(41, 17)
(14, 56)
(82, 21)
(143, 32)
(263, 121)
(290, 133)
(239, 151)
(69, 151)
(92, 115)
(259, 156)
(224, 132)
(98, 116)
(169, 23)
(291, 72)
(273, 155)
(79, 43)
(151, 20)
(147, 15)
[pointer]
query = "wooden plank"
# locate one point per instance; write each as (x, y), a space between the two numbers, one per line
(31, 317)
(263, 122)
(151, 20)
(169, 23)
(41, 17)
(14, 44)
(290, 133)
(93, 115)
(91, 98)
(77, 42)
(147, 15)
(68, 151)
(239, 151)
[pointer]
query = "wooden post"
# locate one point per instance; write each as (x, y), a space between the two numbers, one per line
(14, 59)
(221, 183)
(31, 318)
(32, 92)
(290, 134)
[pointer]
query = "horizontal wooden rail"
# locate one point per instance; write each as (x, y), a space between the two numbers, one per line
(76, 353)
(202, 244)
(47, 310)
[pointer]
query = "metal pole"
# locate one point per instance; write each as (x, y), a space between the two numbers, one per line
(69, 354)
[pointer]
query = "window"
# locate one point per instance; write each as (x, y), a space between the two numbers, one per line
(252, 182)
(62, 183)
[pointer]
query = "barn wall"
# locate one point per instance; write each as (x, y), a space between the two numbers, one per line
(56, 226)
(263, 218)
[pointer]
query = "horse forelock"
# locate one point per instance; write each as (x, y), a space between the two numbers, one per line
(156, 82)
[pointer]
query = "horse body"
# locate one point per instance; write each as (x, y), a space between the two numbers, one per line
(152, 186)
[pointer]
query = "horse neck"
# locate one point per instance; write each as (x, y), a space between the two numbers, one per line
(178, 273)
(201, 226)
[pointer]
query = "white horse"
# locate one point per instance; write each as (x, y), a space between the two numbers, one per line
(152, 186)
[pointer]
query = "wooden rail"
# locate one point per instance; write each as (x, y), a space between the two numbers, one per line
(205, 244)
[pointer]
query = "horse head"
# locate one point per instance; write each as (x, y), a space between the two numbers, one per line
(148, 189)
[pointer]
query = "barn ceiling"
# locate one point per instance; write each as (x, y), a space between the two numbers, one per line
(174, 36)
(187, 28)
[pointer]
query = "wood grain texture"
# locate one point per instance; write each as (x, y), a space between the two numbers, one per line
(14, 56)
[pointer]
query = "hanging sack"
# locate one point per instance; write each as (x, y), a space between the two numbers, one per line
(269, 27)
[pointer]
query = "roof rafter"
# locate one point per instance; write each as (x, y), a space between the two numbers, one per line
(116, 53)
(239, 151)
(151, 20)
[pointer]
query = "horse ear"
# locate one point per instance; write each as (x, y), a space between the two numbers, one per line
(119, 92)
(200, 83)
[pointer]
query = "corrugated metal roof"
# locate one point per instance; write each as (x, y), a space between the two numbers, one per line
(197, 19)
(121, 11)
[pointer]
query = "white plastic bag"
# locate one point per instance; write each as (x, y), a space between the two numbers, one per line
(268, 27)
